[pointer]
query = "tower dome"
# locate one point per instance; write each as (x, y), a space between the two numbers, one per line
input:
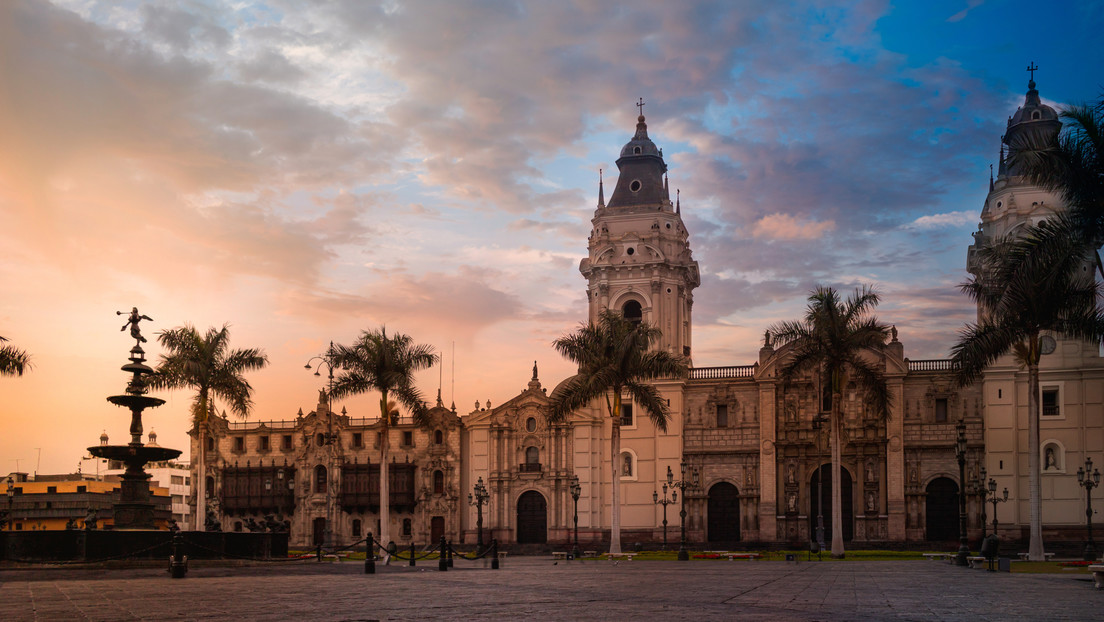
(1033, 126)
(640, 182)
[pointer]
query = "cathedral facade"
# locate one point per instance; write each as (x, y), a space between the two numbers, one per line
(754, 449)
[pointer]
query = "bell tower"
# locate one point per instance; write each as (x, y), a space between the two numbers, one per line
(639, 261)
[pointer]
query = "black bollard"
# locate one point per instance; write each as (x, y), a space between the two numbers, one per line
(494, 554)
(450, 554)
(178, 566)
(370, 556)
(411, 552)
(442, 561)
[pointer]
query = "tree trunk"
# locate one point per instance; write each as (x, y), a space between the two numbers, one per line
(615, 463)
(385, 499)
(837, 495)
(200, 482)
(1035, 541)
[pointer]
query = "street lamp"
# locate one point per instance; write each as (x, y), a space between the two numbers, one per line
(478, 501)
(983, 492)
(330, 361)
(665, 501)
(818, 424)
(1089, 478)
(960, 452)
(576, 490)
(11, 497)
(995, 500)
(683, 484)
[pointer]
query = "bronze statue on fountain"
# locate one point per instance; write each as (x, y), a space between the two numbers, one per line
(135, 509)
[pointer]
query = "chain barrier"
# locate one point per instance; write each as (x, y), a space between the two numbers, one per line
(397, 555)
(70, 562)
(486, 551)
(241, 557)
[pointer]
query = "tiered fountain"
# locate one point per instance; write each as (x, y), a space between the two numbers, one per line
(135, 509)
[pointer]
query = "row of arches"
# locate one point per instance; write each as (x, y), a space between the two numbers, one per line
(723, 510)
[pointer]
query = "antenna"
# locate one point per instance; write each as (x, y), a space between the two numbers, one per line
(38, 460)
(452, 390)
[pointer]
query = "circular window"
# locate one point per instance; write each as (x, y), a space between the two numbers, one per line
(630, 251)
(668, 290)
(668, 225)
(1000, 204)
(531, 424)
(635, 185)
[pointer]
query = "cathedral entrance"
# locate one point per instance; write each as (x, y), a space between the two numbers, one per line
(723, 509)
(436, 529)
(941, 524)
(532, 518)
(846, 503)
(319, 531)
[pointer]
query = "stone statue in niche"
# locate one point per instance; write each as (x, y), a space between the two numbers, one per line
(870, 471)
(791, 476)
(791, 502)
(914, 476)
(1051, 459)
(749, 475)
(871, 501)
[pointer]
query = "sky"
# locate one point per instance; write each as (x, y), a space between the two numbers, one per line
(303, 171)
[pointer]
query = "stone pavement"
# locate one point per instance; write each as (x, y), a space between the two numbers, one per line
(537, 588)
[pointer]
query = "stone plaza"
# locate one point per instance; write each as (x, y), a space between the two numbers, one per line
(540, 589)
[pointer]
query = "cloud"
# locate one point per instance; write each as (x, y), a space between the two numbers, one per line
(938, 221)
(961, 15)
(786, 227)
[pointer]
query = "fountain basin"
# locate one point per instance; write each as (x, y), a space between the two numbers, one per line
(134, 453)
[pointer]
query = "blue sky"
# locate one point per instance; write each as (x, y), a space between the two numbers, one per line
(307, 170)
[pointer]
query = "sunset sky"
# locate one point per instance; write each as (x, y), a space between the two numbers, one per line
(306, 170)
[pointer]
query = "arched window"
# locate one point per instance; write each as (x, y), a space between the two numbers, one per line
(320, 478)
(210, 486)
(356, 527)
(532, 455)
(632, 311)
(438, 482)
(438, 437)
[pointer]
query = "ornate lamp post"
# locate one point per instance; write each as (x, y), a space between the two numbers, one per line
(1089, 478)
(960, 452)
(329, 360)
(683, 484)
(576, 490)
(665, 501)
(478, 501)
(818, 424)
(983, 492)
(995, 500)
(11, 497)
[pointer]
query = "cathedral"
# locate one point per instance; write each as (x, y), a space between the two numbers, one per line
(752, 451)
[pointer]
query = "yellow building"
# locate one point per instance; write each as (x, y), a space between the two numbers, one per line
(56, 502)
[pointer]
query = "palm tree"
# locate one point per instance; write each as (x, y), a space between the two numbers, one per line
(1025, 286)
(13, 361)
(1073, 166)
(387, 365)
(830, 341)
(614, 357)
(207, 364)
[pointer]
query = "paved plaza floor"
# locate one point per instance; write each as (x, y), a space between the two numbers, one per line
(539, 589)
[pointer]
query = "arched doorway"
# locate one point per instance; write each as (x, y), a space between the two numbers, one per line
(941, 520)
(723, 513)
(532, 518)
(319, 531)
(846, 503)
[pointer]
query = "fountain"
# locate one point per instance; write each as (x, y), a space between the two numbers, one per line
(135, 509)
